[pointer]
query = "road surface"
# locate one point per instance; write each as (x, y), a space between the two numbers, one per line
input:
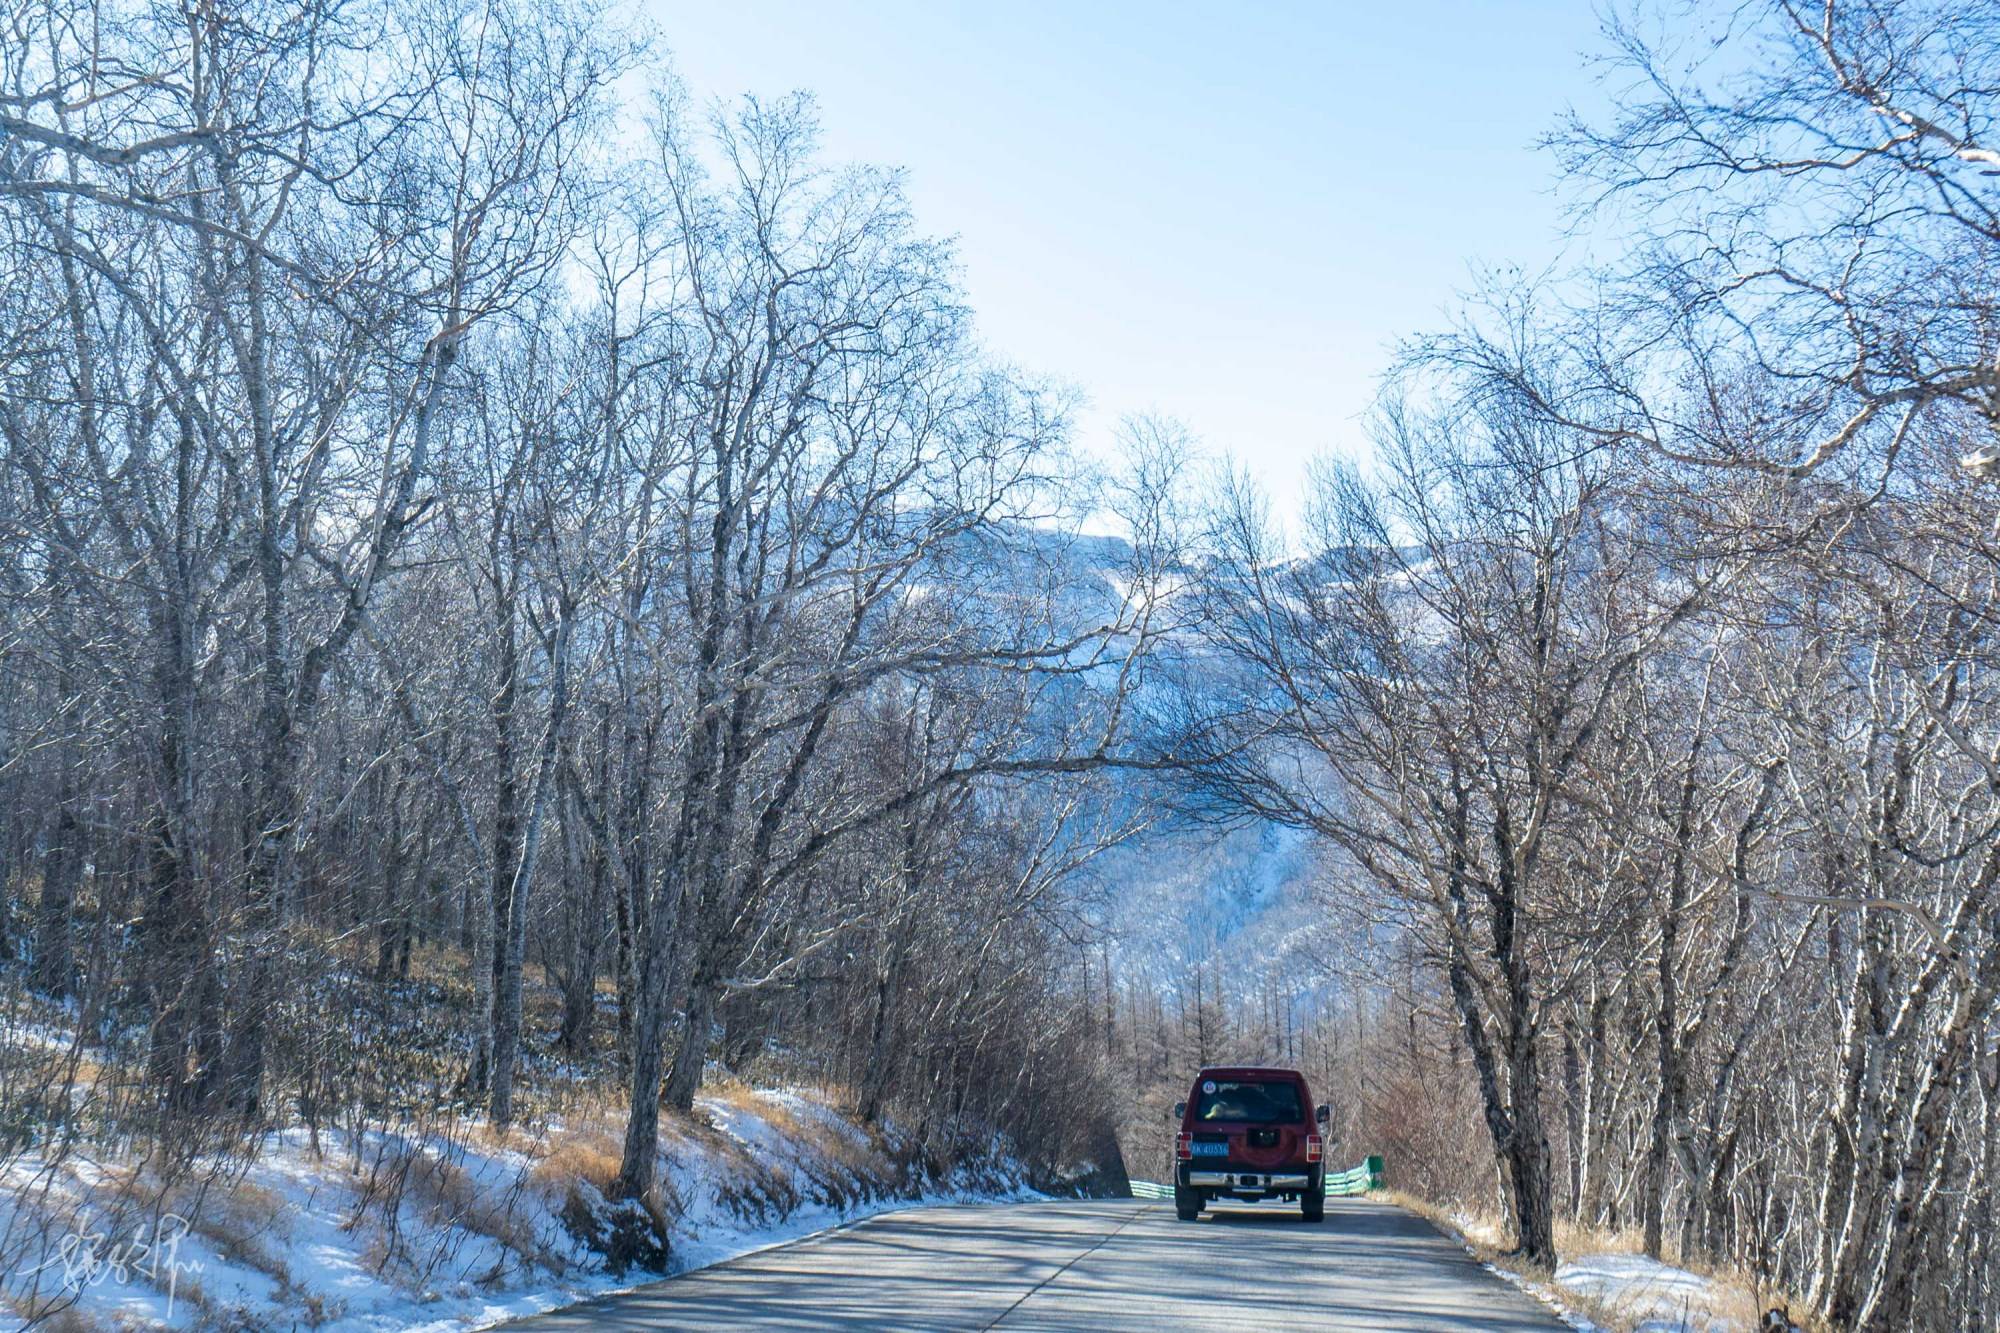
(1094, 1265)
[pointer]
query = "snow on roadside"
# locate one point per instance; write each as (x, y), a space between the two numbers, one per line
(309, 1239)
(717, 1224)
(1540, 1293)
(1657, 1297)
(1642, 1295)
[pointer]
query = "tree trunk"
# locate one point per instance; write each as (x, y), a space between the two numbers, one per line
(684, 1078)
(875, 1082)
(580, 984)
(172, 929)
(392, 925)
(1528, 1158)
(1527, 1143)
(507, 1007)
(495, 929)
(639, 1167)
(62, 867)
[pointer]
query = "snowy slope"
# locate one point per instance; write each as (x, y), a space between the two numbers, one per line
(320, 1237)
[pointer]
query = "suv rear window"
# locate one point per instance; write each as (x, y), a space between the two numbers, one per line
(1254, 1103)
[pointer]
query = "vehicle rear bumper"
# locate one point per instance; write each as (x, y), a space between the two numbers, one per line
(1249, 1179)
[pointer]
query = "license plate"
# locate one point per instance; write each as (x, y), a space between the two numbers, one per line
(1211, 1150)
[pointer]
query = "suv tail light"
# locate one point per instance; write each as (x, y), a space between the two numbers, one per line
(1183, 1146)
(1313, 1144)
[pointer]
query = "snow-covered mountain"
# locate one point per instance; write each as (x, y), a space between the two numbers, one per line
(1191, 890)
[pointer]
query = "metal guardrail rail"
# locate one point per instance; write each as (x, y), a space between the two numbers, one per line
(1355, 1180)
(1358, 1180)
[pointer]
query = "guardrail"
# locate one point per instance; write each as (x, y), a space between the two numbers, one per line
(1359, 1180)
(1356, 1180)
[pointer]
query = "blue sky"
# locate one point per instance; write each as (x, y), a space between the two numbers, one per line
(1223, 213)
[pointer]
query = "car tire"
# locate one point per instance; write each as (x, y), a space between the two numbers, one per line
(1187, 1203)
(1312, 1206)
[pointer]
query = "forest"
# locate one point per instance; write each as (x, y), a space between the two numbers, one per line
(523, 596)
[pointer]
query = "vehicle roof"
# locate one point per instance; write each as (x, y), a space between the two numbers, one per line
(1244, 1071)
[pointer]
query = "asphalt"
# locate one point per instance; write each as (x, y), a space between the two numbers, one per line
(1103, 1264)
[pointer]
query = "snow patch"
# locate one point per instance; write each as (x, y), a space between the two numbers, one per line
(1658, 1297)
(1645, 1295)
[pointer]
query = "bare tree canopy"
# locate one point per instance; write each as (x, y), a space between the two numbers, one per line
(524, 601)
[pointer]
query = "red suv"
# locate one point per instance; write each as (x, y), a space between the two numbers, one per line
(1250, 1134)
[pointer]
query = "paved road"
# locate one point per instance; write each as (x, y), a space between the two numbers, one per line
(1108, 1264)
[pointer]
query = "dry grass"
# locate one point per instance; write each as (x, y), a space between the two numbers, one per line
(745, 1183)
(1736, 1302)
(741, 1097)
(590, 1148)
(316, 1308)
(518, 1137)
(584, 1100)
(865, 1157)
(843, 1168)
(1573, 1239)
(591, 1152)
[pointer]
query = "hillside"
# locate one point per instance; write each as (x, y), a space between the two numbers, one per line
(432, 1222)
